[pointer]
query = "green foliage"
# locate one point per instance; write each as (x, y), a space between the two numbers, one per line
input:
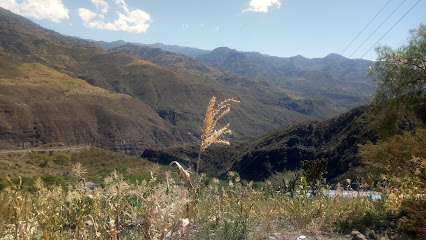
(398, 167)
(3, 184)
(393, 160)
(314, 171)
(62, 158)
(50, 180)
(42, 159)
(235, 230)
(281, 181)
(138, 177)
(401, 73)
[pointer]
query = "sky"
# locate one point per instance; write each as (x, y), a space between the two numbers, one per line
(283, 28)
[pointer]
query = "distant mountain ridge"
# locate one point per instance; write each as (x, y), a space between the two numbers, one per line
(341, 80)
(187, 51)
(133, 103)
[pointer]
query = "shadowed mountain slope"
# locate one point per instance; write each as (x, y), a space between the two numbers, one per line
(257, 159)
(336, 140)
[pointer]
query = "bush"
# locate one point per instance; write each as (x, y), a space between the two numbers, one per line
(62, 159)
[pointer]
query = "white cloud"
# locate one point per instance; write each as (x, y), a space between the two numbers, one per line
(86, 14)
(135, 21)
(102, 5)
(122, 4)
(53, 10)
(262, 5)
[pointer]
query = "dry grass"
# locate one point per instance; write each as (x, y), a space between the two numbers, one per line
(185, 206)
(158, 209)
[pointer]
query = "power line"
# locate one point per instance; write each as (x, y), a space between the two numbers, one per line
(391, 28)
(353, 40)
(377, 28)
(344, 73)
(368, 24)
(361, 57)
(347, 70)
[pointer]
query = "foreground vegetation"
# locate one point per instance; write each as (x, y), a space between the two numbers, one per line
(179, 204)
(165, 203)
(231, 209)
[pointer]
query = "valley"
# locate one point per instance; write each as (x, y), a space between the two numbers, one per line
(129, 140)
(128, 86)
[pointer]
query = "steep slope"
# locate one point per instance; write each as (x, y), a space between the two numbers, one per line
(175, 61)
(186, 51)
(109, 45)
(261, 91)
(336, 140)
(39, 105)
(343, 81)
(177, 95)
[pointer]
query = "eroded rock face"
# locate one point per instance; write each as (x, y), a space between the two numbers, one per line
(102, 122)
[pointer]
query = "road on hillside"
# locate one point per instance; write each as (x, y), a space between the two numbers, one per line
(38, 150)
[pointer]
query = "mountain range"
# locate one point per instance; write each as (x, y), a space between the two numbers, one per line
(341, 80)
(130, 97)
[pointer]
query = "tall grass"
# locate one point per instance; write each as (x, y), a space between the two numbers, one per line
(179, 206)
(158, 209)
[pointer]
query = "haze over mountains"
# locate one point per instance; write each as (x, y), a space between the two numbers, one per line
(341, 80)
(56, 88)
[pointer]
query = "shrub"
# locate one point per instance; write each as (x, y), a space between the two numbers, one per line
(62, 159)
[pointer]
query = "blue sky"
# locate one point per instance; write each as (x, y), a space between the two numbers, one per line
(284, 28)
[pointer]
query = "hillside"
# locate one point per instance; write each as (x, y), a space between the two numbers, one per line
(186, 51)
(160, 105)
(341, 80)
(176, 61)
(39, 105)
(336, 140)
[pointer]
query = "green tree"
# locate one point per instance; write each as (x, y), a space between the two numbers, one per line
(314, 171)
(400, 161)
(401, 74)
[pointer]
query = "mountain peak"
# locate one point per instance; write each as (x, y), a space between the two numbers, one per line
(223, 50)
(335, 56)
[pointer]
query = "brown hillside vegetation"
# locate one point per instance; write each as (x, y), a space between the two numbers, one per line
(163, 105)
(40, 105)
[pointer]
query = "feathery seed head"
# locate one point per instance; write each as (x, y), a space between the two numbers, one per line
(213, 114)
(79, 170)
(184, 174)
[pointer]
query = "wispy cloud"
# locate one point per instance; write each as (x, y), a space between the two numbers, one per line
(101, 5)
(53, 10)
(262, 5)
(185, 27)
(135, 21)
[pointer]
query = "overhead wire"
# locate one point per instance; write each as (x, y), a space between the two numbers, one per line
(356, 37)
(409, 10)
(368, 24)
(375, 30)
(344, 73)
